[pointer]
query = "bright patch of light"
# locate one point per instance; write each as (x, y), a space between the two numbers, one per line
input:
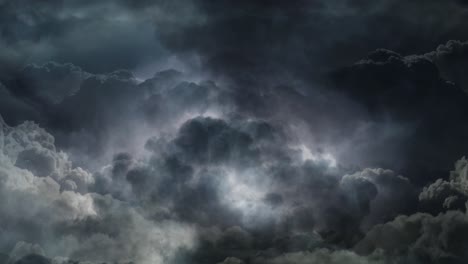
(241, 194)
(317, 157)
(244, 193)
(212, 113)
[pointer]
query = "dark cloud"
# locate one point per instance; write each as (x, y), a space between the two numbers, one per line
(450, 58)
(302, 38)
(86, 33)
(230, 37)
(233, 132)
(381, 81)
(212, 141)
(206, 175)
(449, 194)
(50, 83)
(14, 108)
(54, 95)
(252, 181)
(420, 237)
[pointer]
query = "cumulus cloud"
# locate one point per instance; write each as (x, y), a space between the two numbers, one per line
(420, 238)
(281, 142)
(47, 210)
(246, 192)
(450, 58)
(216, 183)
(120, 113)
(395, 195)
(448, 193)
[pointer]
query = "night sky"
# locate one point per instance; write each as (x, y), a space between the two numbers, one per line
(233, 132)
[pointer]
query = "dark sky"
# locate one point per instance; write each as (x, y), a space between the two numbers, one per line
(233, 132)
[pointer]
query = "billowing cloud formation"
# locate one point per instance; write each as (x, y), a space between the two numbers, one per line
(119, 107)
(216, 181)
(45, 202)
(228, 177)
(450, 58)
(214, 184)
(233, 132)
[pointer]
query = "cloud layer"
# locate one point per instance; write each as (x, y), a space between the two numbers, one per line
(242, 132)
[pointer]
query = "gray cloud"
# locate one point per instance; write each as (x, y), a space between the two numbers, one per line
(420, 238)
(62, 222)
(448, 194)
(281, 142)
(450, 58)
(35, 32)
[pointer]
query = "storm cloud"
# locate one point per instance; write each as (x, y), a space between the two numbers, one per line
(246, 132)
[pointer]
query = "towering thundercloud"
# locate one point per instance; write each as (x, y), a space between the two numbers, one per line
(235, 132)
